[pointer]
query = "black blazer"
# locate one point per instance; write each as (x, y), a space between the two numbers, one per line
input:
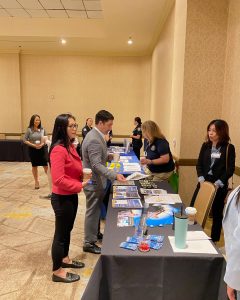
(219, 168)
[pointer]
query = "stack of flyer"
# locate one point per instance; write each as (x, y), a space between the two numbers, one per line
(126, 197)
(131, 167)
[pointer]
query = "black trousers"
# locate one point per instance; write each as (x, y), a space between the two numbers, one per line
(217, 210)
(65, 209)
(136, 150)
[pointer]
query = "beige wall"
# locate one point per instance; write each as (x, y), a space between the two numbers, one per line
(177, 76)
(167, 75)
(10, 100)
(161, 76)
(83, 85)
(206, 35)
(231, 99)
(203, 71)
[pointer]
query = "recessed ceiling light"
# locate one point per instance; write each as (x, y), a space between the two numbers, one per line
(130, 41)
(63, 41)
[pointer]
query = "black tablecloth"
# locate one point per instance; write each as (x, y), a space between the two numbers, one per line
(156, 275)
(13, 150)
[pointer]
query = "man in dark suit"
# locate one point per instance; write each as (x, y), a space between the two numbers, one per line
(95, 156)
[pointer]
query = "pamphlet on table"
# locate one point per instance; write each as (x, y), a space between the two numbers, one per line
(160, 215)
(129, 182)
(152, 191)
(124, 192)
(126, 203)
(128, 217)
(163, 199)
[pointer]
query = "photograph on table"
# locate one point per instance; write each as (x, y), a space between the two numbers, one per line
(160, 215)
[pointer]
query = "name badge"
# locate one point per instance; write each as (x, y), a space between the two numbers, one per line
(216, 155)
(153, 148)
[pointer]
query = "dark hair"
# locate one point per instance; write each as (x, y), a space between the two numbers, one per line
(222, 131)
(59, 135)
(31, 123)
(137, 119)
(103, 116)
(87, 120)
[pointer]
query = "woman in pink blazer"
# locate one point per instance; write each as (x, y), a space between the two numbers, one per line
(66, 171)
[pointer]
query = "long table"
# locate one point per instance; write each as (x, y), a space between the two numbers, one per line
(13, 150)
(156, 275)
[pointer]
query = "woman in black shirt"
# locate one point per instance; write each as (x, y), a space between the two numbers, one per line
(137, 137)
(216, 164)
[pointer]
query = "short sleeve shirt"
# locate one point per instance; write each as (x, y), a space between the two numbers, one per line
(157, 149)
(137, 142)
(33, 136)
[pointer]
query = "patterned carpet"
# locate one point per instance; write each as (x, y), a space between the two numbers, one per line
(26, 230)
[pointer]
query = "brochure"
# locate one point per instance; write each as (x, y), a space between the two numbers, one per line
(137, 176)
(126, 192)
(163, 199)
(126, 189)
(129, 182)
(152, 191)
(126, 203)
(160, 215)
(128, 217)
(133, 167)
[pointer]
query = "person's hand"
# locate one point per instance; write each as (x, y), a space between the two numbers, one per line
(230, 293)
(121, 178)
(110, 156)
(39, 146)
(84, 183)
(131, 136)
(144, 161)
(107, 137)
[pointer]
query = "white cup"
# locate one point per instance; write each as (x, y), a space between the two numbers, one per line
(191, 213)
(116, 157)
(87, 174)
(37, 142)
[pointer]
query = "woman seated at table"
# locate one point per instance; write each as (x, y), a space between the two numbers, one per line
(158, 157)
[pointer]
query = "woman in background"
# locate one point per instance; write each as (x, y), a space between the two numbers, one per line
(216, 164)
(158, 156)
(34, 138)
(66, 171)
(87, 127)
(231, 227)
(137, 137)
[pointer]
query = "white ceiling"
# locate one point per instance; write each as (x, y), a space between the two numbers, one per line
(51, 8)
(90, 27)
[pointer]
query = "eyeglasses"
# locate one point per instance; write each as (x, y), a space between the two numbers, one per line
(73, 126)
